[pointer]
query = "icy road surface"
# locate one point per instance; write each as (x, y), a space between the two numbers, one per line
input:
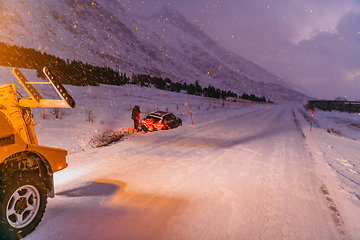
(246, 176)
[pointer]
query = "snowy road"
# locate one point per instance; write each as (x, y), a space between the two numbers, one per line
(246, 176)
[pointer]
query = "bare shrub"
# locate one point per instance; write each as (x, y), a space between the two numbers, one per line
(58, 113)
(333, 130)
(357, 125)
(43, 113)
(89, 116)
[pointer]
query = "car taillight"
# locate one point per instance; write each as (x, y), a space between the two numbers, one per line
(148, 124)
(159, 126)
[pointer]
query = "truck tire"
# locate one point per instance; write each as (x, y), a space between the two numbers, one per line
(22, 205)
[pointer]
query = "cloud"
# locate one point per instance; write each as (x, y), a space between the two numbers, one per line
(313, 45)
(331, 59)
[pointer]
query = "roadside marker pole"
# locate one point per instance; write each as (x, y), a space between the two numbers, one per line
(192, 123)
(312, 116)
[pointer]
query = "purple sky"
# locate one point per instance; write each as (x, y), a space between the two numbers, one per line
(313, 44)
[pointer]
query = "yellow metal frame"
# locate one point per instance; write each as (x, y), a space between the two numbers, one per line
(55, 156)
(20, 119)
(36, 100)
(17, 122)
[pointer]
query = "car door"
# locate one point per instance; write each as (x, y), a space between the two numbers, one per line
(170, 120)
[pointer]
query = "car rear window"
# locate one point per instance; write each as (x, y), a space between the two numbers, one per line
(166, 117)
(156, 119)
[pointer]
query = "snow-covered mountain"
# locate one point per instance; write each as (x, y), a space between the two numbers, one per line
(164, 45)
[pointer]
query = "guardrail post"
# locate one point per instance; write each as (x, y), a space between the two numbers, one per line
(192, 123)
(312, 116)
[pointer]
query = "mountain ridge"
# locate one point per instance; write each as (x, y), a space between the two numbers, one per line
(164, 45)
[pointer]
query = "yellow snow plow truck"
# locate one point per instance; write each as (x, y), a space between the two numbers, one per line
(26, 168)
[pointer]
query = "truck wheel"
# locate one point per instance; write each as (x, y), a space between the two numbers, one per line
(22, 205)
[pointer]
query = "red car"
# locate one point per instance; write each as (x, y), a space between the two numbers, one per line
(160, 120)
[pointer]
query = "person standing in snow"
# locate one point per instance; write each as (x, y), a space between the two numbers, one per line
(136, 116)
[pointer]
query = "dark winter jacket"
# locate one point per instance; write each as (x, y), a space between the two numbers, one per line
(135, 113)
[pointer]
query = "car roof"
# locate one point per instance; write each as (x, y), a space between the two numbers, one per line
(159, 113)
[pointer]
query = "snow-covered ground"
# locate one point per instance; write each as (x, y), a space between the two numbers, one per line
(242, 171)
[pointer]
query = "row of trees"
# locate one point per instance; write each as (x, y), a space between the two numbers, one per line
(254, 98)
(193, 89)
(82, 74)
(73, 73)
(14, 56)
